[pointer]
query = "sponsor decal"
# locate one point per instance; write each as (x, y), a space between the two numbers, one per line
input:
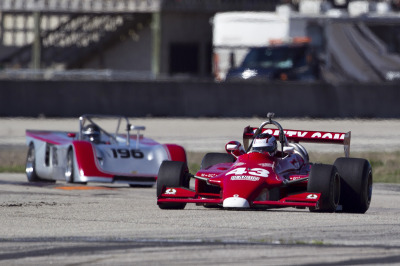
(266, 164)
(207, 175)
(251, 171)
(245, 177)
(327, 136)
(289, 133)
(299, 134)
(312, 196)
(291, 178)
(170, 191)
(306, 134)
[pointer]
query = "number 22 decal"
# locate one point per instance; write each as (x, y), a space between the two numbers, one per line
(252, 171)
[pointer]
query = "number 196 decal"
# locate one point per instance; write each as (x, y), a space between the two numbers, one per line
(126, 153)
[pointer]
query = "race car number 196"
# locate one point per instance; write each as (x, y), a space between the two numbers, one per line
(126, 153)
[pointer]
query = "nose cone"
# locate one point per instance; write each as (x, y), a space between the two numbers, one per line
(235, 202)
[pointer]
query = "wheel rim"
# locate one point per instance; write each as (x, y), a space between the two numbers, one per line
(68, 170)
(30, 162)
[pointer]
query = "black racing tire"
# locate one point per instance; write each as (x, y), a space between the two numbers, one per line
(30, 166)
(214, 158)
(172, 174)
(356, 184)
(325, 179)
(69, 169)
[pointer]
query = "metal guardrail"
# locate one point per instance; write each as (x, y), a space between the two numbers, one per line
(129, 6)
(85, 74)
(80, 6)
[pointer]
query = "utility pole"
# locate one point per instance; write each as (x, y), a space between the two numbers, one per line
(156, 43)
(37, 42)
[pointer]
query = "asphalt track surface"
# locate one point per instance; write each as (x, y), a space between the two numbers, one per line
(99, 224)
(62, 224)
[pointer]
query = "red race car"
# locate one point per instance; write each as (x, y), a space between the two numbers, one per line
(271, 170)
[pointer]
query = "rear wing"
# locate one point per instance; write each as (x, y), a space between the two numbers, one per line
(303, 136)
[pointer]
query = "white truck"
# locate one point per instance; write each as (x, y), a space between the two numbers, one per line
(235, 32)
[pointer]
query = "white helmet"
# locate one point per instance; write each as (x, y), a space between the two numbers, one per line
(91, 133)
(265, 143)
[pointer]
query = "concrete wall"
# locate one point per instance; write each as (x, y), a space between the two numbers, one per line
(194, 99)
(130, 54)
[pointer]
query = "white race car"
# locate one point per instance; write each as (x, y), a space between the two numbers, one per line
(95, 155)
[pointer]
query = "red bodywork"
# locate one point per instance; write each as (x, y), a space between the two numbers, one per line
(254, 179)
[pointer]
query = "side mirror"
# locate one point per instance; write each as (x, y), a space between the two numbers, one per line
(289, 150)
(235, 148)
(71, 135)
(137, 127)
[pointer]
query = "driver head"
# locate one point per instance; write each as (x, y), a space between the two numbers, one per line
(91, 133)
(264, 143)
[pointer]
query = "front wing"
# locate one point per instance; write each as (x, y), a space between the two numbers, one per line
(185, 195)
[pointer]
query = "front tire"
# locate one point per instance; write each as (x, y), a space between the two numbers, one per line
(356, 184)
(69, 170)
(172, 174)
(325, 179)
(70, 174)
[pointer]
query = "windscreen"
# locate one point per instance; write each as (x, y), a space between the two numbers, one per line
(275, 57)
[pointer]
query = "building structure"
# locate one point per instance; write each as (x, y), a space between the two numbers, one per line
(152, 38)
(142, 39)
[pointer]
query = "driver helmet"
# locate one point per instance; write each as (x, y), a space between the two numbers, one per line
(91, 133)
(264, 143)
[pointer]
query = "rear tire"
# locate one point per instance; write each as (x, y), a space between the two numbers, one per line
(30, 166)
(214, 158)
(325, 179)
(172, 174)
(356, 184)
